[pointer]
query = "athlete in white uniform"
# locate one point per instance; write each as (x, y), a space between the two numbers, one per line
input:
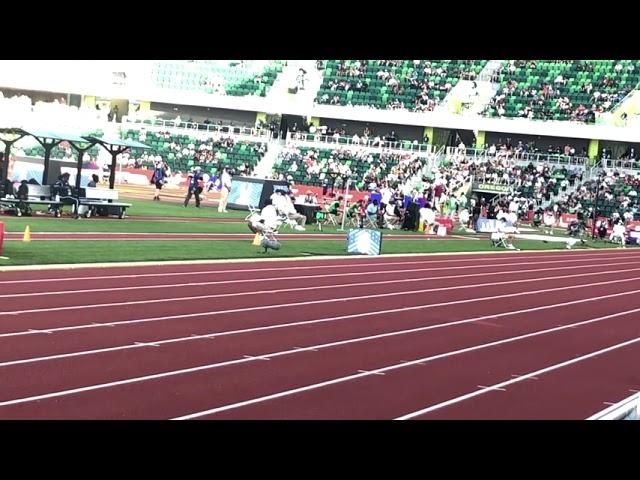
(549, 220)
(619, 234)
(264, 224)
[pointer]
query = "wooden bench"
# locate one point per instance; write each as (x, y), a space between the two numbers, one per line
(101, 201)
(38, 195)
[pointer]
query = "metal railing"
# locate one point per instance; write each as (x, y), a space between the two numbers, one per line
(488, 178)
(192, 127)
(482, 154)
(623, 164)
(332, 142)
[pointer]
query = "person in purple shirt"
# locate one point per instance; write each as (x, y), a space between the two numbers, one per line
(376, 195)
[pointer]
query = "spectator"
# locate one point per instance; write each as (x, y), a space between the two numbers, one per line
(392, 215)
(428, 217)
(225, 189)
(158, 179)
(194, 187)
(289, 209)
(93, 183)
(23, 208)
(310, 198)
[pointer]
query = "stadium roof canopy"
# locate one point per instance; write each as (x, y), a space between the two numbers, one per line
(50, 138)
(117, 142)
(9, 136)
(115, 146)
(55, 135)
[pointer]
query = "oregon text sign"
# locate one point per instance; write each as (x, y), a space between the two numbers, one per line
(492, 188)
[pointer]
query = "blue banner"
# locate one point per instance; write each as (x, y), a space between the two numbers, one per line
(364, 241)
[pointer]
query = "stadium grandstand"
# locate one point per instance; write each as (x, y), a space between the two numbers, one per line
(183, 163)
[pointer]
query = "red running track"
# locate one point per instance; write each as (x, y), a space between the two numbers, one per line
(514, 335)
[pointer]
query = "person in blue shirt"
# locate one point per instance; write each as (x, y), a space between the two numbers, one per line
(214, 182)
(194, 186)
(158, 179)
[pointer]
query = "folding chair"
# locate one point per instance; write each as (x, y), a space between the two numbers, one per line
(371, 222)
(332, 219)
(285, 221)
(252, 211)
(273, 222)
(500, 240)
(389, 225)
(321, 219)
(618, 239)
(353, 220)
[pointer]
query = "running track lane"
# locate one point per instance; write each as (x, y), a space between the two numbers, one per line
(191, 318)
(383, 350)
(320, 364)
(73, 327)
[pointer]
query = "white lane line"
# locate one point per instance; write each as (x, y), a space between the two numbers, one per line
(302, 277)
(614, 410)
(486, 255)
(214, 335)
(480, 257)
(39, 331)
(420, 361)
(306, 322)
(539, 372)
(402, 365)
(492, 388)
(311, 302)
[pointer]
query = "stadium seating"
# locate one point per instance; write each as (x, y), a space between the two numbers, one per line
(518, 79)
(356, 160)
(620, 189)
(214, 76)
(413, 77)
(239, 153)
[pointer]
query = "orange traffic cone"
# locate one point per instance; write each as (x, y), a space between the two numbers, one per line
(27, 234)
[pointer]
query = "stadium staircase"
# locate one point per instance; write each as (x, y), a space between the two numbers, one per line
(474, 101)
(265, 166)
(287, 79)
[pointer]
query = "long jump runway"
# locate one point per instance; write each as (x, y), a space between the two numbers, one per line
(484, 336)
